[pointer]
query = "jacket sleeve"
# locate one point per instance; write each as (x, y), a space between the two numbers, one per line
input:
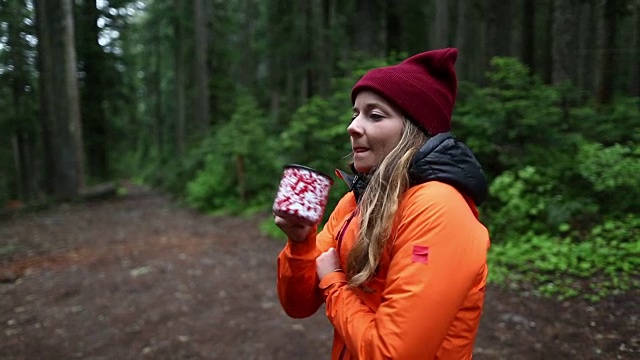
(297, 280)
(438, 251)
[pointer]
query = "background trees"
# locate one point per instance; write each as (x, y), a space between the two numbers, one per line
(208, 99)
(59, 98)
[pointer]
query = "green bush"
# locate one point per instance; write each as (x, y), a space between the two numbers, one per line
(521, 200)
(563, 177)
(240, 172)
(613, 173)
(618, 123)
(513, 122)
(604, 262)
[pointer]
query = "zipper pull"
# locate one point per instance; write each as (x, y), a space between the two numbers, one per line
(353, 183)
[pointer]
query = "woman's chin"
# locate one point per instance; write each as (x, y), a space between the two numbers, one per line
(361, 168)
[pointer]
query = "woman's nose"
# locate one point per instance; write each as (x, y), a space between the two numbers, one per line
(354, 129)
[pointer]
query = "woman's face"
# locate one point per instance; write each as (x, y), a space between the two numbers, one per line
(375, 129)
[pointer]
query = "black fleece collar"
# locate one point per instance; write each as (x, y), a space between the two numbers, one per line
(446, 159)
(442, 158)
(357, 182)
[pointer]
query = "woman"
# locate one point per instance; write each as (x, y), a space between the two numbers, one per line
(401, 262)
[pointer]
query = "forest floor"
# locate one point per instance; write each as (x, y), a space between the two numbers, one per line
(139, 277)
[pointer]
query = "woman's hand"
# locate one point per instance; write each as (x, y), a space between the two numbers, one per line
(327, 262)
(296, 232)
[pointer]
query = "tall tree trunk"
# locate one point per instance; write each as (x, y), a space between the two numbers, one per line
(201, 69)
(498, 40)
(440, 30)
(588, 42)
(23, 138)
(248, 57)
(546, 43)
(394, 31)
(307, 80)
(366, 30)
(414, 26)
(158, 114)
(179, 67)
(279, 21)
(468, 40)
(563, 54)
(241, 178)
(607, 60)
(528, 34)
(60, 108)
(326, 57)
(321, 51)
(46, 94)
(92, 60)
(23, 144)
(634, 70)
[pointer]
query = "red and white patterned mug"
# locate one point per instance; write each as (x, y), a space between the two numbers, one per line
(302, 195)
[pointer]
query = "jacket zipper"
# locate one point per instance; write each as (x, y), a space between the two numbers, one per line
(343, 230)
(341, 233)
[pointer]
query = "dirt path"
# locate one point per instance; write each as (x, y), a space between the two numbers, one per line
(140, 278)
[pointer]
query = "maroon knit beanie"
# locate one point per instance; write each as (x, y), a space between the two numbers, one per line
(423, 87)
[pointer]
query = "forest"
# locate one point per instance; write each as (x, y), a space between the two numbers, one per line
(207, 100)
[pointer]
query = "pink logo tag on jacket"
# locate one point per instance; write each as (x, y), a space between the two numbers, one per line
(420, 254)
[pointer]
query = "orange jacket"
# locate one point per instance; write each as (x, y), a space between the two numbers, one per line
(426, 299)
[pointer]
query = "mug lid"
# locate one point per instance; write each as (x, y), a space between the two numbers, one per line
(309, 169)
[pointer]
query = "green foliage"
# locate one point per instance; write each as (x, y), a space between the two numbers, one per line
(122, 191)
(607, 259)
(528, 200)
(564, 186)
(316, 135)
(618, 123)
(240, 171)
(269, 228)
(523, 198)
(612, 171)
(513, 122)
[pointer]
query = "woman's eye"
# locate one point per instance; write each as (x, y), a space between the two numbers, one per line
(376, 117)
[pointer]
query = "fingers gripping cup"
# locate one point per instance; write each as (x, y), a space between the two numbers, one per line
(302, 195)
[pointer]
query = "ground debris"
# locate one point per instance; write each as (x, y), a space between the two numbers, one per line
(136, 276)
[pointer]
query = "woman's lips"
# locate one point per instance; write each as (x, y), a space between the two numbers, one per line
(360, 149)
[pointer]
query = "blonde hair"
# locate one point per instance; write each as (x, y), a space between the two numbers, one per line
(379, 204)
